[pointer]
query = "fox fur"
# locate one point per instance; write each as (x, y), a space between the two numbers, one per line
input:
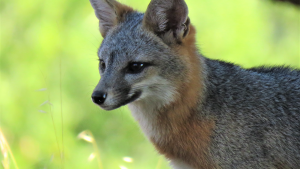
(199, 113)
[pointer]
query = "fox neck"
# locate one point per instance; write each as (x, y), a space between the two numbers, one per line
(158, 121)
(174, 127)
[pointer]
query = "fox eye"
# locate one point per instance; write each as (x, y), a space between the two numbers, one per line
(136, 67)
(102, 65)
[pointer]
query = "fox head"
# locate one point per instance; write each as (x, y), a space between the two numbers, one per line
(144, 57)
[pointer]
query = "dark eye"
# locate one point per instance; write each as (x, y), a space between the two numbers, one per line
(102, 65)
(136, 67)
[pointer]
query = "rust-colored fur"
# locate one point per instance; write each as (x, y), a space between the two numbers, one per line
(121, 10)
(188, 140)
(180, 116)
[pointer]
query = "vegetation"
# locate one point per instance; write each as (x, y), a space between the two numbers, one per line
(48, 69)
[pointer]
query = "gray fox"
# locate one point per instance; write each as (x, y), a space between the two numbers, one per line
(197, 112)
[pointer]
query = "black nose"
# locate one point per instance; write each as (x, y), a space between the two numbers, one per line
(99, 97)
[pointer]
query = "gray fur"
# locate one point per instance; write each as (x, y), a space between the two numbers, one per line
(122, 46)
(256, 111)
(258, 114)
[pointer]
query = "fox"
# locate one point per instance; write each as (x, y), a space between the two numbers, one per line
(198, 112)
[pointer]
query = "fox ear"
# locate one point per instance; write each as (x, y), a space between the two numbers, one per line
(109, 13)
(168, 19)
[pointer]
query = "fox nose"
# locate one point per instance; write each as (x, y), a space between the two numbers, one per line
(99, 97)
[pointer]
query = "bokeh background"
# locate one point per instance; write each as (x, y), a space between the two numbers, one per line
(48, 69)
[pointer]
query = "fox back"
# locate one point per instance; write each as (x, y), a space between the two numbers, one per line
(198, 112)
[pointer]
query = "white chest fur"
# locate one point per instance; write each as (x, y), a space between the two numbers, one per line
(147, 119)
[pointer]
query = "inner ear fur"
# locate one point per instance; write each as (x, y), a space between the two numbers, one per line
(109, 13)
(168, 19)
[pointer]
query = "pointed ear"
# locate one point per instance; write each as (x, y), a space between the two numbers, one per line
(168, 19)
(109, 13)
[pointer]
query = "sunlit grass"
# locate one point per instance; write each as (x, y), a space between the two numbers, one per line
(159, 163)
(6, 152)
(88, 137)
(128, 159)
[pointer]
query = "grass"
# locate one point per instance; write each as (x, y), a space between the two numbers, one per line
(88, 137)
(6, 152)
(84, 135)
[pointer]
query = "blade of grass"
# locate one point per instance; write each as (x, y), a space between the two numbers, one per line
(5, 147)
(5, 161)
(158, 166)
(52, 118)
(89, 137)
(61, 113)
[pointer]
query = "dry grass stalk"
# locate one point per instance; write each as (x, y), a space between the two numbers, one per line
(88, 137)
(5, 150)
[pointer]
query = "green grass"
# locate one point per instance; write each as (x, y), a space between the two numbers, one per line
(51, 45)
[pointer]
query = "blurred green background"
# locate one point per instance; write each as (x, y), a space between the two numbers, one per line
(48, 69)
